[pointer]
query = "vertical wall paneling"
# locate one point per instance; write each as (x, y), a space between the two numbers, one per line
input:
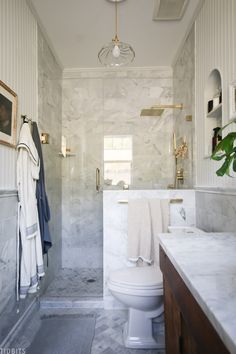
(18, 69)
(215, 49)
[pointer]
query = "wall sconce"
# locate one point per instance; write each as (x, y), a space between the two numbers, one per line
(44, 137)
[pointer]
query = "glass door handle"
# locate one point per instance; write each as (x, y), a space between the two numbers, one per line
(98, 180)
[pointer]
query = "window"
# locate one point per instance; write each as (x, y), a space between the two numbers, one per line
(117, 159)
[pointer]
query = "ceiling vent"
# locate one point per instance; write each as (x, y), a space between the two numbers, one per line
(169, 10)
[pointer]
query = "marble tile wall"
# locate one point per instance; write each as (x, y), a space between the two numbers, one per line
(215, 211)
(50, 121)
(99, 103)
(184, 92)
(8, 227)
(115, 227)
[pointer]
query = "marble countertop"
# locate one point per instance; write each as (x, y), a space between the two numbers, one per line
(207, 264)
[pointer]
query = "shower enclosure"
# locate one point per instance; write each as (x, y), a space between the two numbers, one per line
(103, 128)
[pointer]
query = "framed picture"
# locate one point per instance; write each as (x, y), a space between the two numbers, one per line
(232, 100)
(8, 111)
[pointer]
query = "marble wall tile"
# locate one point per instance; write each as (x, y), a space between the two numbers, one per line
(109, 103)
(215, 212)
(8, 228)
(184, 92)
(50, 121)
(115, 227)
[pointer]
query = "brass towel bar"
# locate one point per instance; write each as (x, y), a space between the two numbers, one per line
(172, 201)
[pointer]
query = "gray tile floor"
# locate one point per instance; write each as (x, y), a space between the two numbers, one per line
(79, 286)
(108, 331)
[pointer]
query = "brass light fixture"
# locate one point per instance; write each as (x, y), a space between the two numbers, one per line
(116, 53)
(44, 138)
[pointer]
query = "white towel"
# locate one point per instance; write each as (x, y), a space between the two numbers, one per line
(160, 218)
(139, 231)
(146, 219)
(160, 215)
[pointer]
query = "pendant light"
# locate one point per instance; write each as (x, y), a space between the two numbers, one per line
(116, 53)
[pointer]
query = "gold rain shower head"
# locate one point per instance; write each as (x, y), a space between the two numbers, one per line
(157, 111)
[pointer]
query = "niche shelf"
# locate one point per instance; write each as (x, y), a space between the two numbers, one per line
(213, 108)
(216, 112)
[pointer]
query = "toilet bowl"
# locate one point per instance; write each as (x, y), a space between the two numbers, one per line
(141, 290)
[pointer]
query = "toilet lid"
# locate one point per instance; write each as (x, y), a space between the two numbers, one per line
(141, 277)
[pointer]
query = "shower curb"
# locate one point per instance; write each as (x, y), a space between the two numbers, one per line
(68, 304)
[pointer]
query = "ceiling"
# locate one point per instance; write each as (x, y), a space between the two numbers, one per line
(77, 29)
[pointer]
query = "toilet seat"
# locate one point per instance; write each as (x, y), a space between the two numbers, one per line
(145, 281)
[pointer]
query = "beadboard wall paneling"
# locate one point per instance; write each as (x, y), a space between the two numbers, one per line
(215, 49)
(18, 69)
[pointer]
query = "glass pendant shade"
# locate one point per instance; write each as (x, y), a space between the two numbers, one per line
(116, 53)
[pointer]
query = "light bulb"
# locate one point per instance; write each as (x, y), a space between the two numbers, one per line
(116, 51)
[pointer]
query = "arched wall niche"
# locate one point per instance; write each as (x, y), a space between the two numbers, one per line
(213, 108)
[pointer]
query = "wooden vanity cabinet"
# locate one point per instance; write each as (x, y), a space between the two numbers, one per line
(187, 329)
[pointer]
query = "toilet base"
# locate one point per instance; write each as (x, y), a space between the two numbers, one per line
(137, 332)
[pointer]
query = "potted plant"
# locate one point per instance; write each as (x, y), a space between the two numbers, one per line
(226, 151)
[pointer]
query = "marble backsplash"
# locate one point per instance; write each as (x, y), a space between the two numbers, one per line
(115, 227)
(108, 102)
(216, 211)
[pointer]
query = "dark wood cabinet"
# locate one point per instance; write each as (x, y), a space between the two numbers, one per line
(187, 329)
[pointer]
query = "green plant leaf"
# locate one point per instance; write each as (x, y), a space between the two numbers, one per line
(226, 150)
(224, 169)
(234, 163)
(227, 144)
(217, 157)
(229, 162)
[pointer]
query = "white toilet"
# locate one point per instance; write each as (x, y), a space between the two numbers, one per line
(141, 290)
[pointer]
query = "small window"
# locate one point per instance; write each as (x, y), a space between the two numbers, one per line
(117, 159)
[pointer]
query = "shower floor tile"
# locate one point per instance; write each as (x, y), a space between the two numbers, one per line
(83, 283)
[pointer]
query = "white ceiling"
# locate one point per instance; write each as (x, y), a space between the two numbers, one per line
(77, 29)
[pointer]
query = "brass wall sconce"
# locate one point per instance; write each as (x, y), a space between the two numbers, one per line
(44, 137)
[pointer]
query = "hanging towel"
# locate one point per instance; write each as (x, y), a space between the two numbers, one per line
(28, 164)
(42, 200)
(160, 215)
(139, 231)
(160, 218)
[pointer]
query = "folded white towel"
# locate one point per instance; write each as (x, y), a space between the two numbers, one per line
(139, 231)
